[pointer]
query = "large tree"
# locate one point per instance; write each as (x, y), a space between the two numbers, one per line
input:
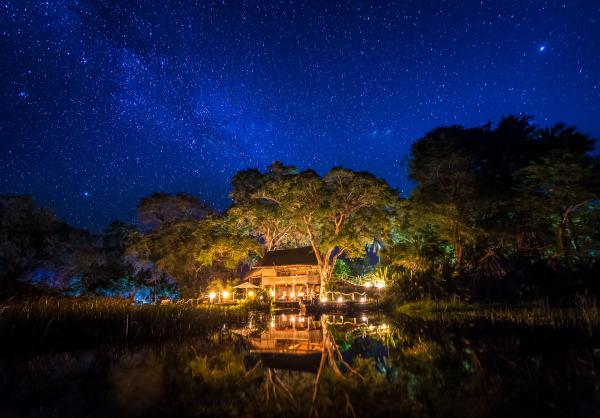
(264, 219)
(338, 213)
(159, 208)
(481, 188)
(559, 196)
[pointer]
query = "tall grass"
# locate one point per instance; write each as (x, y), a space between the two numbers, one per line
(583, 313)
(65, 323)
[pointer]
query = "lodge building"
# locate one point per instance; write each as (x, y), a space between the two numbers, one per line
(288, 274)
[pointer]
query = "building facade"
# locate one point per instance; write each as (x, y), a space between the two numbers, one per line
(288, 274)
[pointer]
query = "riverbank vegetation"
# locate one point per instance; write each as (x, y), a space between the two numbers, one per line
(49, 324)
(498, 213)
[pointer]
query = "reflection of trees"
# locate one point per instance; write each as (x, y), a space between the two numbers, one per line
(330, 356)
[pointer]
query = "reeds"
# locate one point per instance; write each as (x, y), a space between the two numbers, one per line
(584, 313)
(67, 323)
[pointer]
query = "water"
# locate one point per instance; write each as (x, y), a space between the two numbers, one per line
(366, 365)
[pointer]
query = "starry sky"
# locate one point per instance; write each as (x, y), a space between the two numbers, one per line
(104, 102)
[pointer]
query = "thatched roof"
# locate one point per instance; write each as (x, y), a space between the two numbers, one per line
(295, 256)
(245, 285)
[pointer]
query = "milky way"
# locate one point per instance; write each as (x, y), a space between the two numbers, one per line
(104, 102)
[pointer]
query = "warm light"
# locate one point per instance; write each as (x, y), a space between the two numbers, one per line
(363, 299)
(301, 319)
(292, 318)
(292, 295)
(272, 293)
(379, 285)
(212, 295)
(368, 284)
(363, 318)
(340, 299)
(324, 299)
(251, 293)
(225, 294)
(300, 294)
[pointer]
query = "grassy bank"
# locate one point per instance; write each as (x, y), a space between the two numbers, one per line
(64, 323)
(583, 312)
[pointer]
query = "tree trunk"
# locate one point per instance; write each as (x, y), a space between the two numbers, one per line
(560, 236)
(574, 238)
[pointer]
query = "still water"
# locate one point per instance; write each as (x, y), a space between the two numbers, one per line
(289, 364)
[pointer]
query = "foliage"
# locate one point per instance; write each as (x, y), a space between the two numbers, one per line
(264, 219)
(339, 213)
(160, 208)
(55, 323)
(499, 194)
(559, 197)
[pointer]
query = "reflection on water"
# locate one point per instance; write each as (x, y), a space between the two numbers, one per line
(294, 341)
(371, 365)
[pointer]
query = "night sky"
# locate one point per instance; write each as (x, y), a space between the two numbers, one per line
(104, 102)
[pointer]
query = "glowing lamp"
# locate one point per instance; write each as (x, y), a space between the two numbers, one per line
(379, 285)
(323, 299)
(212, 295)
(300, 294)
(251, 293)
(363, 299)
(225, 294)
(340, 299)
(272, 293)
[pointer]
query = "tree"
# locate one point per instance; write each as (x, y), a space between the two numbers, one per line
(159, 208)
(263, 218)
(445, 194)
(339, 213)
(185, 249)
(559, 196)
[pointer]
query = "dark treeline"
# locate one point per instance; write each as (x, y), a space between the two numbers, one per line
(503, 212)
